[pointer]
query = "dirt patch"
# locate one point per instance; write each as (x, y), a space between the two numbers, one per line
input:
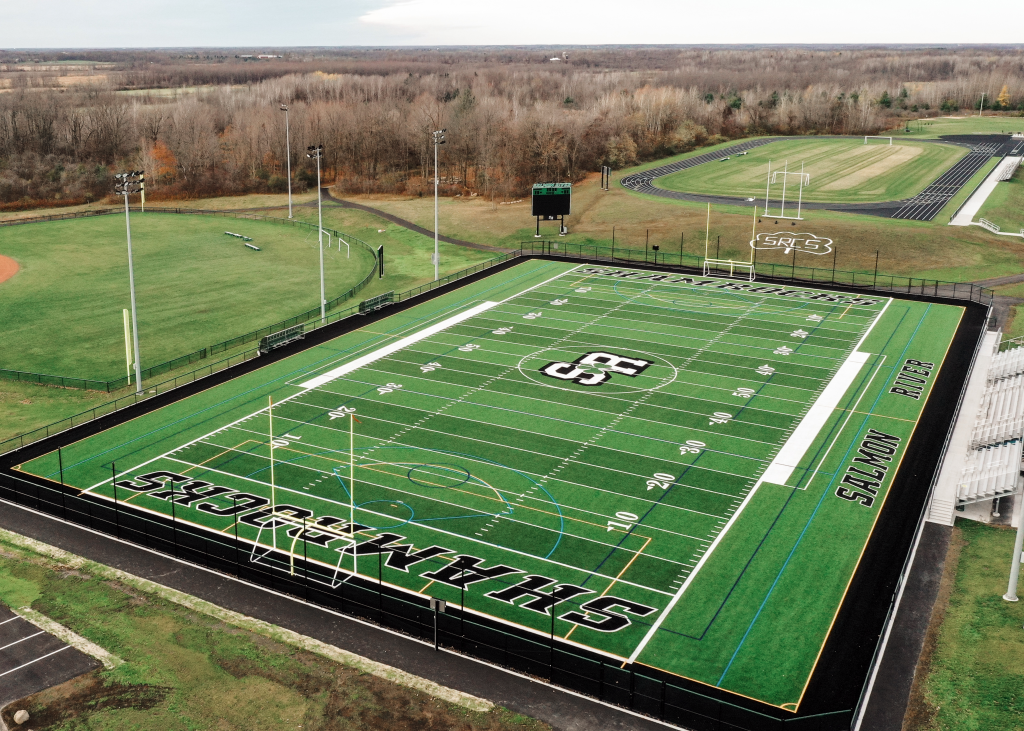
(899, 154)
(8, 268)
(920, 713)
(358, 700)
(85, 694)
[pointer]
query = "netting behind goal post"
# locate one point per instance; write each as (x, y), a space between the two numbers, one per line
(876, 137)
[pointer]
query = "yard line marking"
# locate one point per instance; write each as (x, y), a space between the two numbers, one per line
(615, 580)
(260, 411)
(855, 361)
(414, 338)
(395, 346)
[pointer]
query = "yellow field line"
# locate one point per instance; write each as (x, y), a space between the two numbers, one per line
(424, 588)
(612, 583)
(844, 312)
(880, 416)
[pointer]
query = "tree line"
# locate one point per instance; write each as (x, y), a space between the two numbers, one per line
(208, 124)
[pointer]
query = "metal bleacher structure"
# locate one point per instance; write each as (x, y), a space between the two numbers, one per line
(983, 460)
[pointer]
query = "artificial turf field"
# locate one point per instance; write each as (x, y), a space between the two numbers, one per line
(688, 469)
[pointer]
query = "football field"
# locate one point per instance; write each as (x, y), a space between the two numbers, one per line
(672, 470)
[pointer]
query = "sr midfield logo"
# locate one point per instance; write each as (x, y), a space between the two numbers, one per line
(596, 368)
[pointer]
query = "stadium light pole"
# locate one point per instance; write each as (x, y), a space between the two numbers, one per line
(438, 140)
(317, 152)
(125, 184)
(288, 156)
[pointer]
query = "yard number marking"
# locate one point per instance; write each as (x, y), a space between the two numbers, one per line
(743, 392)
(559, 302)
(815, 318)
(531, 315)
(692, 446)
(502, 331)
(341, 412)
(799, 334)
(628, 517)
(429, 367)
(719, 417)
(662, 480)
(469, 347)
(583, 290)
(389, 388)
(765, 370)
(782, 350)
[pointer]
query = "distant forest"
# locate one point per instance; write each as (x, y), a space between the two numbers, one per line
(203, 123)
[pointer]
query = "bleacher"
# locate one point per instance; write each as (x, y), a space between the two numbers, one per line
(986, 449)
(1001, 413)
(990, 472)
(1006, 364)
(1009, 168)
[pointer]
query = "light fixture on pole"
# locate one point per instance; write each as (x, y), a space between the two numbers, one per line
(438, 140)
(316, 152)
(288, 156)
(127, 184)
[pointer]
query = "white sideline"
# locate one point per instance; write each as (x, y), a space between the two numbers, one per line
(846, 373)
(396, 346)
(781, 468)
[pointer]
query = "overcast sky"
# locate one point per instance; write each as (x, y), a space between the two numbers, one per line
(264, 24)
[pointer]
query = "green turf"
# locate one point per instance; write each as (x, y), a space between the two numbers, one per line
(195, 286)
(651, 487)
(842, 171)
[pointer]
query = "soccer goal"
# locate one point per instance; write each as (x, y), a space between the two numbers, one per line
(716, 267)
(729, 268)
(876, 137)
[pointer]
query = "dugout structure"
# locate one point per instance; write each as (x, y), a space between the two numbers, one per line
(715, 556)
(552, 202)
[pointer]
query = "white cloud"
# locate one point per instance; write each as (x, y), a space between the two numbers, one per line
(585, 22)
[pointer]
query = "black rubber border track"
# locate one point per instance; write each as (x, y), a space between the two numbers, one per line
(922, 207)
(847, 657)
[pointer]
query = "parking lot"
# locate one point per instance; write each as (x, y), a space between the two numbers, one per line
(32, 660)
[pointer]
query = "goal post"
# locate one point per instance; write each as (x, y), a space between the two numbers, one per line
(783, 176)
(727, 267)
(876, 137)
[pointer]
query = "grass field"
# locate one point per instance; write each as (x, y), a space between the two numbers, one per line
(972, 680)
(189, 666)
(675, 455)
(195, 286)
(907, 248)
(24, 406)
(1005, 206)
(842, 171)
(966, 125)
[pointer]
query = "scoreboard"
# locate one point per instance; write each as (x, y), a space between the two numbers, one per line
(551, 199)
